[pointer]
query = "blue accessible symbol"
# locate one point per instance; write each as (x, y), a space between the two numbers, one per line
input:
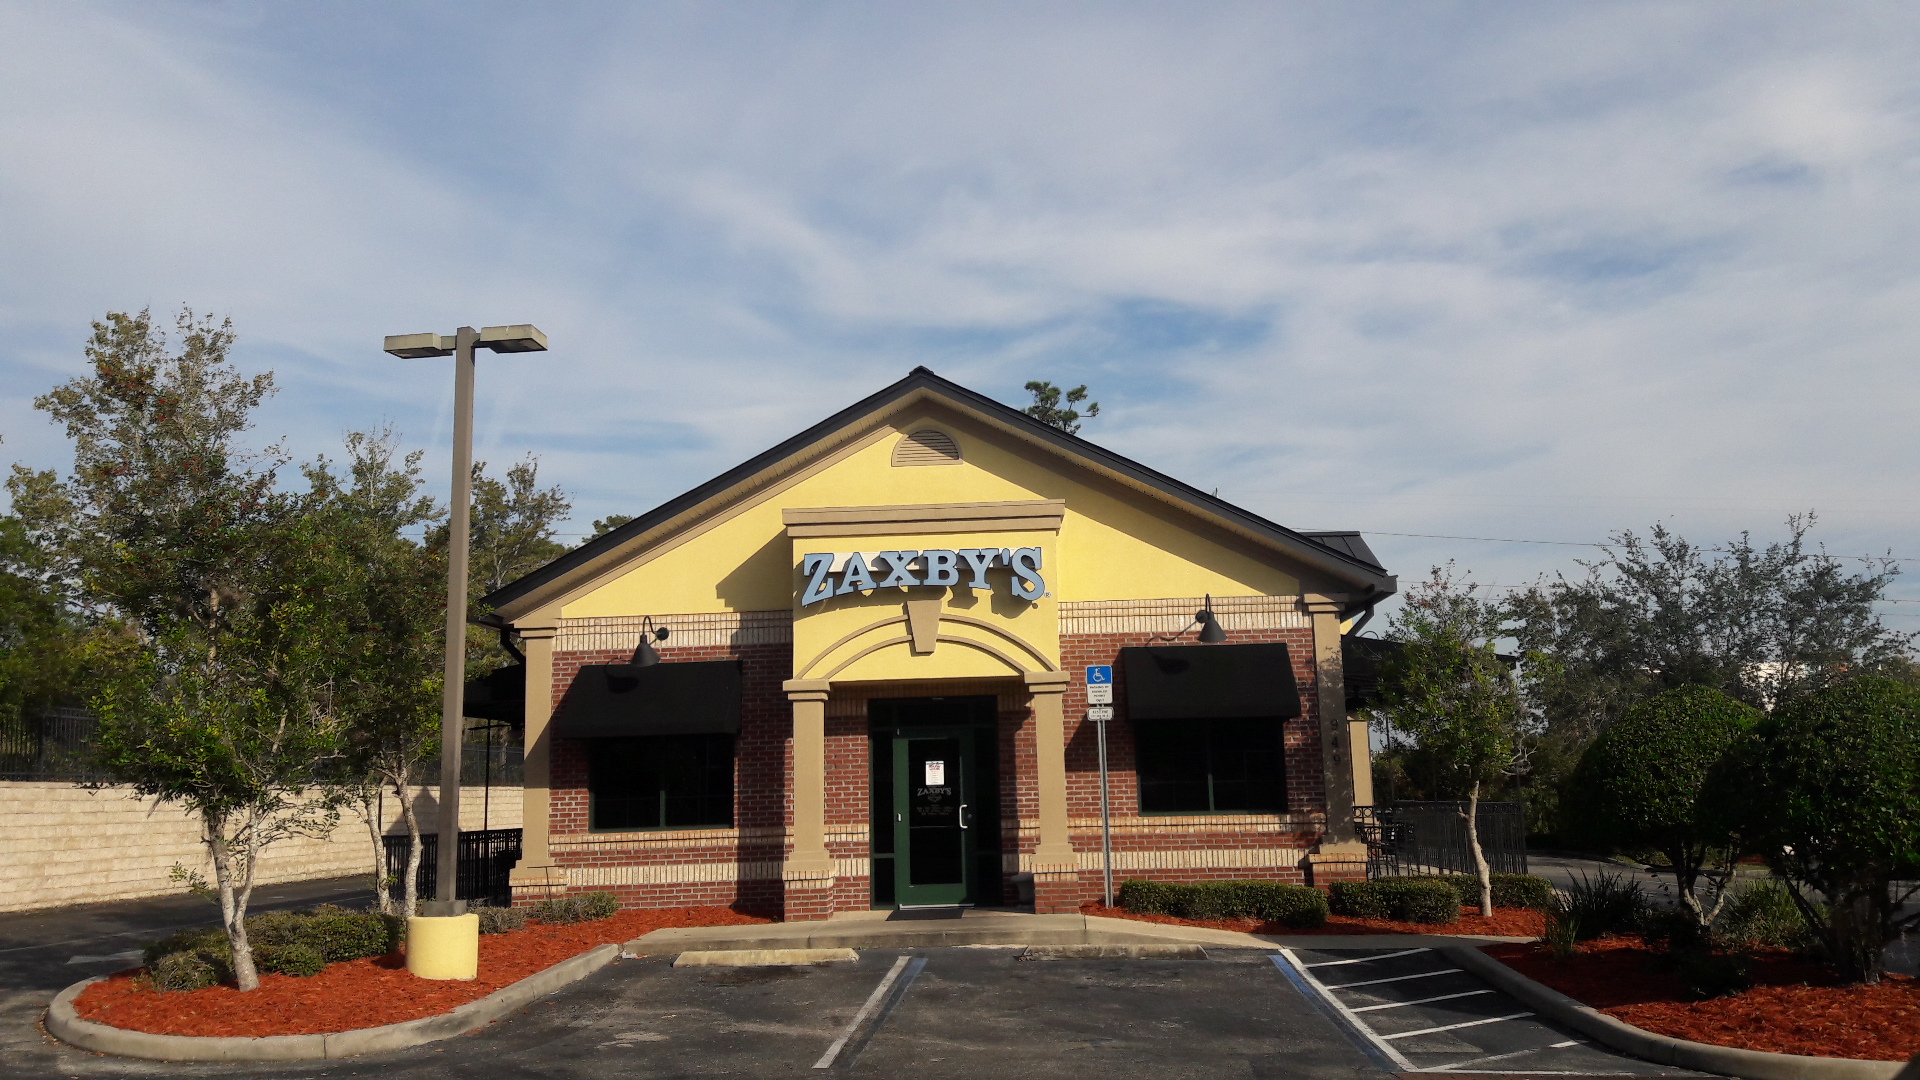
(1102, 674)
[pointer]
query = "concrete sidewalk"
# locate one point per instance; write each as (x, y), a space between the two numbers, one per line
(888, 930)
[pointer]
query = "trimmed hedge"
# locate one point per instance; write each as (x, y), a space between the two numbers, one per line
(297, 943)
(585, 907)
(500, 920)
(1269, 901)
(1420, 900)
(1509, 890)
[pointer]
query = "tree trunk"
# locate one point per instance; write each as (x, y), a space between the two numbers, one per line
(382, 892)
(411, 885)
(1858, 931)
(1480, 868)
(233, 898)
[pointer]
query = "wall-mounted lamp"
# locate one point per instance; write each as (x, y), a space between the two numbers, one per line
(622, 676)
(644, 656)
(1211, 632)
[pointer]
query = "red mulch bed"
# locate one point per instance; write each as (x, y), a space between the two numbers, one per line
(1506, 922)
(372, 991)
(1795, 1007)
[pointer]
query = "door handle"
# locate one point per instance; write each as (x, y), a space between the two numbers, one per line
(963, 815)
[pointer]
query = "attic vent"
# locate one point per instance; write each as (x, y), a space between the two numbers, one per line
(926, 447)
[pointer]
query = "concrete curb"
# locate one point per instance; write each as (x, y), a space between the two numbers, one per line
(65, 1024)
(763, 957)
(1664, 1049)
(1008, 930)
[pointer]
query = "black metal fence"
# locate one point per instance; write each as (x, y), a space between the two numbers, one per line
(486, 858)
(55, 745)
(1431, 838)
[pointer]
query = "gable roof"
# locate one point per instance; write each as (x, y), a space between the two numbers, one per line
(1342, 556)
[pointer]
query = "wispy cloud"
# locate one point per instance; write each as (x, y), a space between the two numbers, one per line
(1481, 269)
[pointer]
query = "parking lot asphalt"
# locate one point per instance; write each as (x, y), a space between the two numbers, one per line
(969, 1012)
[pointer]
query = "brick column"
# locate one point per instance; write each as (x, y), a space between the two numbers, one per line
(808, 874)
(535, 877)
(1340, 849)
(1056, 868)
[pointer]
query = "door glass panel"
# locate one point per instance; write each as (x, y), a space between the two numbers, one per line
(935, 841)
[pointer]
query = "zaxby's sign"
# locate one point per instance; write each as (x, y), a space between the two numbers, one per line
(831, 574)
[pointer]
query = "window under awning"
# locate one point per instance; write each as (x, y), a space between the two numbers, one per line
(1193, 682)
(615, 700)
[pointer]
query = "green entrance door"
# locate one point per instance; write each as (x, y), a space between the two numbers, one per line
(934, 809)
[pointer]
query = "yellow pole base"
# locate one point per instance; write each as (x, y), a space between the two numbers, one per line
(446, 947)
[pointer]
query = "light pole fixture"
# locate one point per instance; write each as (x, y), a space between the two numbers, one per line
(519, 338)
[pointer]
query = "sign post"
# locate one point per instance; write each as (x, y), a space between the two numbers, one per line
(1100, 710)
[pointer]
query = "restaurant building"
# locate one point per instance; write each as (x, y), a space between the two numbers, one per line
(852, 673)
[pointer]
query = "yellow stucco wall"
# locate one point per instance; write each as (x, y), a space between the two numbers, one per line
(1108, 548)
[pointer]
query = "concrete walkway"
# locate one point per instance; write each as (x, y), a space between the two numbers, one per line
(913, 930)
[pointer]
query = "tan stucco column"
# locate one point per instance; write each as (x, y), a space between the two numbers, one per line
(808, 873)
(1336, 736)
(535, 872)
(1056, 869)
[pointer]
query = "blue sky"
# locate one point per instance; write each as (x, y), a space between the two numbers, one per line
(1535, 271)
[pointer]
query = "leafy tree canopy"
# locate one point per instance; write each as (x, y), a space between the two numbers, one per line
(1047, 408)
(1761, 624)
(1641, 782)
(1828, 787)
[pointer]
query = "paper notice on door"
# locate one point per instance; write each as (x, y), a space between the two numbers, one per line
(936, 774)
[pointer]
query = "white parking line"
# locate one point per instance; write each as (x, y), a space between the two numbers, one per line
(879, 994)
(1455, 1027)
(1502, 1057)
(1420, 1001)
(1396, 978)
(1380, 1046)
(1357, 960)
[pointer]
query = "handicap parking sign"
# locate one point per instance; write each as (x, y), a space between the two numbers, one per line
(1100, 674)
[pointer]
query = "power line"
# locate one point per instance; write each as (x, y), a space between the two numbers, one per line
(1586, 543)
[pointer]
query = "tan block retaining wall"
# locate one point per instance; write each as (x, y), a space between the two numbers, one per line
(62, 844)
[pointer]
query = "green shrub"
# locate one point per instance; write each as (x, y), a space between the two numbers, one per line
(1671, 930)
(1360, 899)
(586, 907)
(1409, 899)
(182, 971)
(1607, 904)
(1709, 974)
(1509, 890)
(1268, 901)
(1428, 902)
(1829, 787)
(1761, 915)
(300, 961)
(207, 939)
(1563, 926)
(500, 920)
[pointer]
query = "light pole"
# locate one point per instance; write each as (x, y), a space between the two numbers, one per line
(501, 339)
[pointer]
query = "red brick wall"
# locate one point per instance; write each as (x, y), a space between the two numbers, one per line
(763, 799)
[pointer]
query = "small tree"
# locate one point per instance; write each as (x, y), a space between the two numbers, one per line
(1047, 409)
(1457, 697)
(1641, 782)
(1829, 789)
(391, 594)
(170, 529)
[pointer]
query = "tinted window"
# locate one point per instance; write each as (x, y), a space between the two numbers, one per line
(1210, 766)
(661, 782)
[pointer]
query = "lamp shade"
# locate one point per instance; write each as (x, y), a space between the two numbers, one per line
(418, 346)
(520, 337)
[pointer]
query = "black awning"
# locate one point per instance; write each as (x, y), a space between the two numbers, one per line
(611, 700)
(499, 695)
(1191, 682)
